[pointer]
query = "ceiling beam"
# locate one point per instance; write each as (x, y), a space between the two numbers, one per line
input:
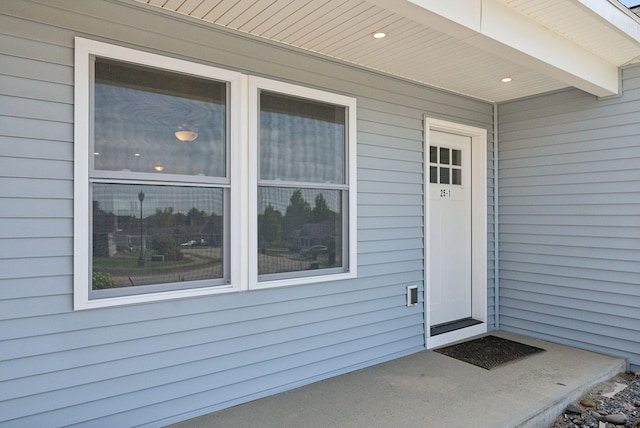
(500, 30)
(514, 36)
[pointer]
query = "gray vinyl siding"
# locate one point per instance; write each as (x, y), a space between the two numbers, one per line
(156, 363)
(570, 219)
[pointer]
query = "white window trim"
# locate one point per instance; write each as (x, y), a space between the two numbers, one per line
(84, 48)
(243, 111)
(255, 85)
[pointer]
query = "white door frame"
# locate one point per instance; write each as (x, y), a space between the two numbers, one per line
(478, 230)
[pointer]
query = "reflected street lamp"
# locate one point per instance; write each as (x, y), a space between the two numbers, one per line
(141, 261)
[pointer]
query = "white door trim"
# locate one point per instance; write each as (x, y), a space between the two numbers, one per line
(478, 229)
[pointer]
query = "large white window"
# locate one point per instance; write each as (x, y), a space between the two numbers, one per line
(156, 166)
(304, 184)
(179, 193)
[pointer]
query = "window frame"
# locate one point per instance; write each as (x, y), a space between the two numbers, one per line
(257, 84)
(243, 126)
(85, 49)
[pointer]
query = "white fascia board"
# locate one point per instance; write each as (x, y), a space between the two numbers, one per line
(499, 30)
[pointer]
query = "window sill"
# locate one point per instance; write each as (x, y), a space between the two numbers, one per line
(302, 280)
(82, 302)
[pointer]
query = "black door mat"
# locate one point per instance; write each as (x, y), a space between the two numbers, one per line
(489, 352)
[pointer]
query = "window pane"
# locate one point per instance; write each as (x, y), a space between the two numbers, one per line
(456, 157)
(137, 112)
(444, 156)
(301, 140)
(433, 174)
(156, 234)
(444, 175)
(456, 176)
(433, 154)
(299, 229)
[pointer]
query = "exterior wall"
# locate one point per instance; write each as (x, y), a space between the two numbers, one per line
(569, 225)
(156, 363)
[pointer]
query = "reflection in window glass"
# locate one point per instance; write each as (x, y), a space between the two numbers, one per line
(444, 156)
(456, 176)
(433, 154)
(141, 114)
(299, 229)
(444, 175)
(156, 234)
(433, 174)
(301, 140)
(456, 157)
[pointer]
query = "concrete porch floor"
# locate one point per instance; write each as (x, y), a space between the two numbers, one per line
(428, 389)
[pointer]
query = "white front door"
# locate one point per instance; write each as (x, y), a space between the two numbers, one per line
(450, 223)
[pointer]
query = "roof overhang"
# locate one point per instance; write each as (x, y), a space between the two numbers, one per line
(465, 46)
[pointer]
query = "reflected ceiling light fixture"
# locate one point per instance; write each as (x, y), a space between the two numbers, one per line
(159, 167)
(379, 35)
(506, 80)
(185, 134)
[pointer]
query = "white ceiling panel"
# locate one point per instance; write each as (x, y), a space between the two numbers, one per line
(413, 48)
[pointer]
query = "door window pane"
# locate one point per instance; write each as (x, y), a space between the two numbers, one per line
(433, 174)
(301, 140)
(444, 175)
(448, 161)
(156, 234)
(299, 229)
(155, 121)
(456, 176)
(433, 154)
(456, 157)
(444, 156)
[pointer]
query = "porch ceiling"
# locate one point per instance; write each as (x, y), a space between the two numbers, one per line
(464, 46)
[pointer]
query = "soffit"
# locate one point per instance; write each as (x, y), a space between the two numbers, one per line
(579, 23)
(415, 49)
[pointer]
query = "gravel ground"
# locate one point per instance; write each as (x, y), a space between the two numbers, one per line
(615, 403)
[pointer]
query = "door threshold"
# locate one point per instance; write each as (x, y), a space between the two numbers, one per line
(456, 331)
(453, 325)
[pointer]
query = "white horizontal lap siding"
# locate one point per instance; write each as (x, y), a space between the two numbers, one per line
(146, 364)
(569, 219)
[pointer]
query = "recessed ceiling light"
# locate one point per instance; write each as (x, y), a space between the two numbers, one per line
(137, 155)
(96, 153)
(379, 35)
(506, 79)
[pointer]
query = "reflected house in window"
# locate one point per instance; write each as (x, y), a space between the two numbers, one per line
(317, 238)
(115, 233)
(104, 232)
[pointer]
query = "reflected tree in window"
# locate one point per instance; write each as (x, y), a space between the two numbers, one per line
(321, 211)
(298, 213)
(181, 236)
(306, 237)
